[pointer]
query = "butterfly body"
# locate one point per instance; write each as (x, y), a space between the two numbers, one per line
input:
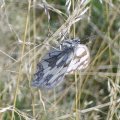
(65, 59)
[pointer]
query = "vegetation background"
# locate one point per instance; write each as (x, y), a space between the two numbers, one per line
(27, 30)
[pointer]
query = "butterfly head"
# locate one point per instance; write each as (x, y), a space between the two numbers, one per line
(71, 43)
(75, 41)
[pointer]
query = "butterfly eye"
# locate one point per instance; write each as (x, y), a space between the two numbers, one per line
(77, 41)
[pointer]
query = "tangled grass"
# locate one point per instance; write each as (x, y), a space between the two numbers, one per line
(29, 28)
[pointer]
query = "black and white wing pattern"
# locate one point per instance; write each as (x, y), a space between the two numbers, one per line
(52, 68)
(68, 57)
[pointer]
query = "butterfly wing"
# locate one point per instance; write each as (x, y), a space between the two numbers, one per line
(51, 70)
(81, 59)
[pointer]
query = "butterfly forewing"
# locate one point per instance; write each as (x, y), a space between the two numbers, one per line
(51, 70)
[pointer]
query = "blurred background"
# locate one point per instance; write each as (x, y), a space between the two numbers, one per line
(27, 30)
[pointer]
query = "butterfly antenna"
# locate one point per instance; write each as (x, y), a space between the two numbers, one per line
(88, 39)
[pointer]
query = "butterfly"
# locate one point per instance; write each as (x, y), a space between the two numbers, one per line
(66, 58)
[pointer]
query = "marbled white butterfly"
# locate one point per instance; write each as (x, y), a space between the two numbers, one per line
(65, 59)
